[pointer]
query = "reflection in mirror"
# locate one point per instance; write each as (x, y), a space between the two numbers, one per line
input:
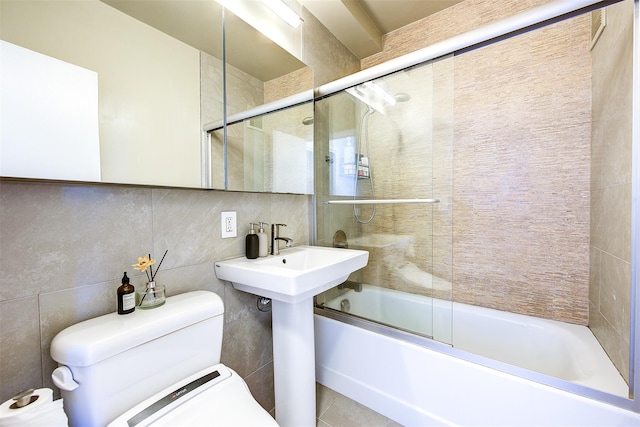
(266, 74)
(149, 58)
(148, 85)
(269, 153)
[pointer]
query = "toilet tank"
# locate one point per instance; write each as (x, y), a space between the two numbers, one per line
(120, 360)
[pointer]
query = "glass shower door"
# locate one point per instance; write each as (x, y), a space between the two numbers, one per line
(383, 167)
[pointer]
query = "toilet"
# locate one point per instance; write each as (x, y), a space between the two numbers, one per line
(158, 367)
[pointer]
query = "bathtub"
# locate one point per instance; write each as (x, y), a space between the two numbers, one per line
(485, 378)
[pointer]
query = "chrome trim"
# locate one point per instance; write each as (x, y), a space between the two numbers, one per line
(379, 201)
(634, 337)
(524, 21)
(271, 107)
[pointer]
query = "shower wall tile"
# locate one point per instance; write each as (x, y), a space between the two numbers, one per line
(289, 84)
(610, 231)
(509, 154)
(615, 292)
(521, 174)
(457, 19)
(64, 248)
(611, 220)
(615, 345)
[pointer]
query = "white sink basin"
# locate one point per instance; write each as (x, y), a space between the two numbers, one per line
(296, 274)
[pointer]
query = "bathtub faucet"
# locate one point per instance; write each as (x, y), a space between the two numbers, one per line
(275, 236)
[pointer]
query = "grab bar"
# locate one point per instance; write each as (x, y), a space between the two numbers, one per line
(380, 201)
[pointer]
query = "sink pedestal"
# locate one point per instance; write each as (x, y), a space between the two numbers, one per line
(291, 280)
(294, 363)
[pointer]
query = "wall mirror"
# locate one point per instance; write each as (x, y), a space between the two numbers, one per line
(152, 74)
(268, 153)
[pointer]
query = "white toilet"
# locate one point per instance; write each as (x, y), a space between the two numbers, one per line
(153, 367)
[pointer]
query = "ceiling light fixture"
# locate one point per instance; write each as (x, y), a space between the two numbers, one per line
(284, 12)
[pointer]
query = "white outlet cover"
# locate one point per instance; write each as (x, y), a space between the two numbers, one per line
(228, 225)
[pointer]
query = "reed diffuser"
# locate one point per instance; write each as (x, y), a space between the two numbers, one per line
(153, 295)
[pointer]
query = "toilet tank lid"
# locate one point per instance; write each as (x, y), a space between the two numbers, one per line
(93, 340)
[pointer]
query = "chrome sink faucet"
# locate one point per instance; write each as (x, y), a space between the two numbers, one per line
(275, 236)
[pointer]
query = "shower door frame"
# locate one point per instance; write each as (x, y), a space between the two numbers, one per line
(510, 27)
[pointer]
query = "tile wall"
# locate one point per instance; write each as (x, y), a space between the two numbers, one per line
(568, 260)
(63, 249)
(609, 293)
(521, 161)
(512, 231)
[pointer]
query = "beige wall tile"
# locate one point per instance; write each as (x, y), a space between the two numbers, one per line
(610, 230)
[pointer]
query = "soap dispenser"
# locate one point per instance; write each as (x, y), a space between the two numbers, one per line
(263, 240)
(252, 243)
(126, 296)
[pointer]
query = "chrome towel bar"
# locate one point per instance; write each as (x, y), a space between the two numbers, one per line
(380, 201)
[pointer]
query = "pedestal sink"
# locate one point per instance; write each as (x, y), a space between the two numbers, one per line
(291, 280)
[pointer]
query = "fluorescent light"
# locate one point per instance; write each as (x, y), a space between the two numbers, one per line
(284, 12)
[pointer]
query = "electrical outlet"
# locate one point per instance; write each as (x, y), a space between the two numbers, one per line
(228, 226)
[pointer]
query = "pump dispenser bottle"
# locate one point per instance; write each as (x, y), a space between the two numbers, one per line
(263, 240)
(252, 243)
(126, 296)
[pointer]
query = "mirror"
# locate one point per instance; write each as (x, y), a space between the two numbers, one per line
(157, 73)
(269, 153)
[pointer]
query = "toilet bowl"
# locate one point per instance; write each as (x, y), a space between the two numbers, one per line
(153, 367)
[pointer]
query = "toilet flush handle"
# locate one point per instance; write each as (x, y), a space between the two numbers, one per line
(63, 379)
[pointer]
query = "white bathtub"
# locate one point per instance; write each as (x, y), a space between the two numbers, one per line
(417, 386)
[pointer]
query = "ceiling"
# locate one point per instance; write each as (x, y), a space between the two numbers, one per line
(358, 24)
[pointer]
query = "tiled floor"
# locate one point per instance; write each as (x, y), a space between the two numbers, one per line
(336, 410)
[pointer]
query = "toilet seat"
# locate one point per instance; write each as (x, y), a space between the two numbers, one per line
(215, 396)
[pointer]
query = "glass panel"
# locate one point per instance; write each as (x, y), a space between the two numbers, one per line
(377, 142)
(272, 153)
(540, 230)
